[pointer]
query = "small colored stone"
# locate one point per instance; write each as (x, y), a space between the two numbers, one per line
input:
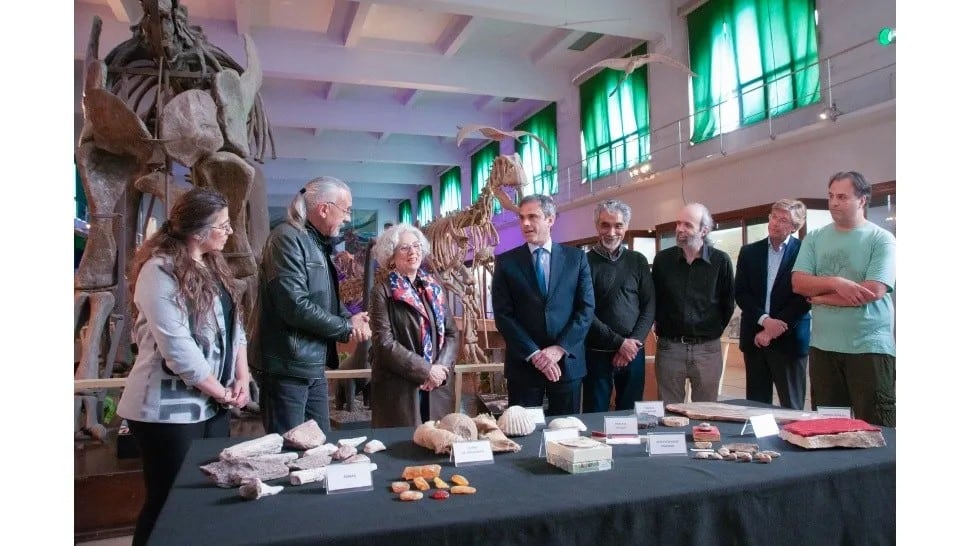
(458, 479)
(440, 494)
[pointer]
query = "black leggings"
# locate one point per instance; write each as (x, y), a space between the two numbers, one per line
(163, 447)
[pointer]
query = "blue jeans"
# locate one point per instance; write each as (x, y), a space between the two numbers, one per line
(602, 377)
(286, 402)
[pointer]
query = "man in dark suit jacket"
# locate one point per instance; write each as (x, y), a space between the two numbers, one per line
(542, 295)
(775, 321)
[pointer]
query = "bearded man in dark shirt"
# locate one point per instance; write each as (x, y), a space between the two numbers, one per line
(623, 290)
(695, 300)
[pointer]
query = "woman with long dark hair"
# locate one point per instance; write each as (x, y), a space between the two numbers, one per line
(191, 364)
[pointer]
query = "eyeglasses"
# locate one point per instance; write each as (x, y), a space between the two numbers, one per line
(225, 226)
(415, 246)
(348, 211)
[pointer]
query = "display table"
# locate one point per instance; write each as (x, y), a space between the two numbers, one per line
(832, 496)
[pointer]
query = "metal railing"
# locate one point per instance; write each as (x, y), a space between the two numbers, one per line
(849, 81)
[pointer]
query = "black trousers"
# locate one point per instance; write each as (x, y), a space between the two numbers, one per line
(767, 367)
(163, 447)
(563, 396)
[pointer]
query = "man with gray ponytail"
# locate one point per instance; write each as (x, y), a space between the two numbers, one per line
(301, 317)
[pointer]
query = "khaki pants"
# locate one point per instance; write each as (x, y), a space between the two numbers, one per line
(700, 362)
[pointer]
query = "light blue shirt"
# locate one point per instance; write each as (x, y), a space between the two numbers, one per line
(774, 263)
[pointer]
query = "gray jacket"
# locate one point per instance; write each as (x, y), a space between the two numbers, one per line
(160, 386)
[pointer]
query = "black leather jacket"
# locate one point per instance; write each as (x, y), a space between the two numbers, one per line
(297, 329)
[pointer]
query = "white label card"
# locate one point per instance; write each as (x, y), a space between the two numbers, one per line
(667, 443)
(834, 411)
(536, 415)
(620, 426)
(764, 425)
(473, 452)
(649, 407)
(345, 478)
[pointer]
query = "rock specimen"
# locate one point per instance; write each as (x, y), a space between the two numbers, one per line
(357, 458)
(833, 432)
(325, 449)
(374, 446)
(706, 432)
(344, 452)
(399, 487)
(427, 471)
(253, 489)
(440, 494)
(674, 421)
(463, 490)
(307, 462)
(310, 475)
(352, 442)
(233, 473)
(305, 436)
(270, 443)
(411, 495)
(429, 437)
(285, 457)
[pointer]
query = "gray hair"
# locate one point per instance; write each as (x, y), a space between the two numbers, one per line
(317, 191)
(612, 206)
(794, 207)
(545, 203)
(706, 220)
(386, 242)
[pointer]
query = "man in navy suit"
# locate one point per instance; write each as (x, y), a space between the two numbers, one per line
(542, 295)
(775, 321)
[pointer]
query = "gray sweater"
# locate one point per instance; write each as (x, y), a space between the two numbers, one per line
(160, 386)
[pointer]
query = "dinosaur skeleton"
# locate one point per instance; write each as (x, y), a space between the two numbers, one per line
(471, 230)
(165, 94)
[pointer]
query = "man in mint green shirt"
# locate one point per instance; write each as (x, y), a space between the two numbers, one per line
(846, 270)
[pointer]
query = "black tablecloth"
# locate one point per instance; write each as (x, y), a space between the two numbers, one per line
(827, 496)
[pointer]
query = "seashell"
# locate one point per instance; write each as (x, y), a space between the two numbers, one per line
(516, 422)
(485, 423)
(374, 446)
(429, 437)
(500, 443)
(352, 442)
(566, 422)
(459, 423)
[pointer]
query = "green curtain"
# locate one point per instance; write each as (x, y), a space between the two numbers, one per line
(753, 58)
(450, 190)
(614, 120)
(481, 167)
(539, 165)
(425, 206)
(404, 213)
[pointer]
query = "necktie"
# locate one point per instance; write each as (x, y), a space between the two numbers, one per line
(540, 273)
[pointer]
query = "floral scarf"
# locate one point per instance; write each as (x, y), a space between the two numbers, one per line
(402, 290)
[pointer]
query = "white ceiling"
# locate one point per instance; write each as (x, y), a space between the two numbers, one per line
(373, 92)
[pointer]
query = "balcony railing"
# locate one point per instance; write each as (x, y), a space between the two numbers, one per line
(856, 78)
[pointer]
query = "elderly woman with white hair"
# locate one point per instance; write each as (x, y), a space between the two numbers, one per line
(415, 342)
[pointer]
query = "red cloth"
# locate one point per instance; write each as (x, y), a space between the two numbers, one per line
(831, 425)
